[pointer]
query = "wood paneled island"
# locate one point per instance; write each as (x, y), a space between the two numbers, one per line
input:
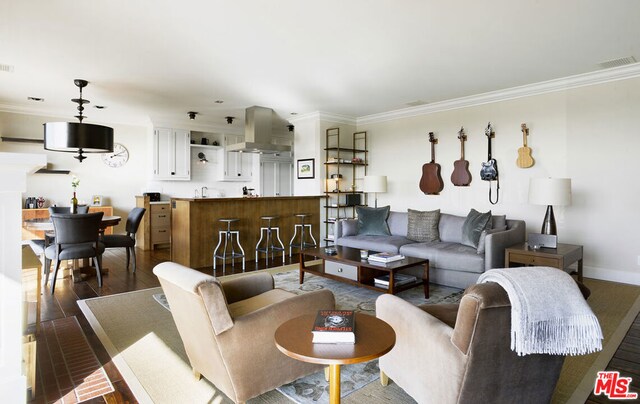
(195, 225)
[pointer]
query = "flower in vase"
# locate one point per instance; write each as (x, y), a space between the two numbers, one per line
(75, 182)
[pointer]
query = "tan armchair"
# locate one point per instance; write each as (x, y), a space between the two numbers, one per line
(228, 326)
(460, 353)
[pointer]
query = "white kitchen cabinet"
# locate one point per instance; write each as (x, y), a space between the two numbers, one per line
(236, 166)
(171, 154)
(276, 178)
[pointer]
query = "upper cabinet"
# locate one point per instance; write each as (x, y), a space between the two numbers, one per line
(237, 166)
(171, 154)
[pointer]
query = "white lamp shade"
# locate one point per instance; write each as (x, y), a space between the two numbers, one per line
(550, 191)
(375, 183)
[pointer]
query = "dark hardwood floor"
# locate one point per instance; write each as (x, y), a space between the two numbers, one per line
(118, 280)
(63, 304)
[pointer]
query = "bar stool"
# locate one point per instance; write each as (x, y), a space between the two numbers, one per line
(269, 247)
(302, 226)
(229, 236)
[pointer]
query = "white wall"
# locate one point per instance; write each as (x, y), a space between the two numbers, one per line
(589, 134)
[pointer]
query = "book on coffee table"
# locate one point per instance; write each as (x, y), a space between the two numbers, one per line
(334, 327)
(398, 279)
(385, 257)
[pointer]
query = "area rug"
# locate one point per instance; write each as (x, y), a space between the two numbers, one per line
(82, 377)
(139, 334)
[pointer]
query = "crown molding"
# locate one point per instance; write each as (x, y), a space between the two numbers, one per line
(562, 84)
(325, 117)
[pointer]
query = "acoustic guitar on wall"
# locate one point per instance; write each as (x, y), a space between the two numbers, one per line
(524, 153)
(461, 176)
(431, 182)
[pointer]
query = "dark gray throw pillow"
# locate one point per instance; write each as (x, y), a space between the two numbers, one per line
(473, 226)
(373, 221)
(423, 225)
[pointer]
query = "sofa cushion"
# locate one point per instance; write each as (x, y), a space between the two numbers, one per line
(450, 228)
(473, 226)
(398, 223)
(484, 234)
(390, 244)
(423, 225)
(453, 256)
(373, 221)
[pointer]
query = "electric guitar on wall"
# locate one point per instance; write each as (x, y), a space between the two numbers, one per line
(431, 182)
(489, 171)
(461, 177)
(524, 153)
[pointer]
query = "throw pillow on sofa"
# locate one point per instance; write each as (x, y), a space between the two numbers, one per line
(423, 225)
(373, 221)
(473, 226)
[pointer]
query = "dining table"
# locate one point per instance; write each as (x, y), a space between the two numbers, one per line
(81, 268)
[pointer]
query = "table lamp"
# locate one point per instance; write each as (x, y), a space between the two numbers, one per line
(375, 184)
(337, 178)
(550, 191)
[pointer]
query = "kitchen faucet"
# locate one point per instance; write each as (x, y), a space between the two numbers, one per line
(204, 192)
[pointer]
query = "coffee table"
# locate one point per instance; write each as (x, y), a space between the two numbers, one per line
(374, 338)
(346, 266)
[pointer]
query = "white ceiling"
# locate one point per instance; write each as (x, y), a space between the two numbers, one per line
(159, 59)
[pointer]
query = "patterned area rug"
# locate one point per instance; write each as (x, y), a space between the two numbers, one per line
(314, 388)
(83, 377)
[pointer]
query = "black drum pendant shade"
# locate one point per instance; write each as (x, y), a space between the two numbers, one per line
(78, 137)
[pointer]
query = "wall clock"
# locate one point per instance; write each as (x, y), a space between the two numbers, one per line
(118, 157)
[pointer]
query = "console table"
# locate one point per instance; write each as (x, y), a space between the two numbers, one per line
(561, 257)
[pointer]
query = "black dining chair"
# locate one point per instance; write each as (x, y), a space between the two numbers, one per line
(67, 209)
(77, 236)
(127, 240)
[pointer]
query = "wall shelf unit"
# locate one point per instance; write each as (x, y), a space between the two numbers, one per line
(346, 161)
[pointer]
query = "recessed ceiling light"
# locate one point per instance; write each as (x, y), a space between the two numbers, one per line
(294, 113)
(99, 106)
(219, 101)
(38, 99)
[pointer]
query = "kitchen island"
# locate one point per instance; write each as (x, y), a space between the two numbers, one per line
(195, 225)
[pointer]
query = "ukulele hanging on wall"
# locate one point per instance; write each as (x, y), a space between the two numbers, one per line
(461, 177)
(489, 170)
(524, 153)
(431, 182)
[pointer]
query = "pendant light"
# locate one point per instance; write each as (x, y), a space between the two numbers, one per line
(78, 137)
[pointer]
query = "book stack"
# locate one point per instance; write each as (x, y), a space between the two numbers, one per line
(398, 279)
(385, 258)
(334, 327)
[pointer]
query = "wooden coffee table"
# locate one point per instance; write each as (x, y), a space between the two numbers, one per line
(346, 266)
(374, 338)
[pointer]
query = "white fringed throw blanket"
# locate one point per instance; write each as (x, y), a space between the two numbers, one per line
(548, 312)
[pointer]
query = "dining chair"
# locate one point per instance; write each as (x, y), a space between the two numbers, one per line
(66, 209)
(77, 236)
(128, 240)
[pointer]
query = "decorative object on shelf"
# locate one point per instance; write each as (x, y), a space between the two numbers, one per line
(203, 158)
(215, 143)
(118, 157)
(431, 182)
(489, 170)
(74, 201)
(375, 184)
(306, 168)
(550, 191)
(524, 153)
(336, 178)
(461, 177)
(96, 200)
(40, 201)
(78, 137)
(192, 115)
(204, 141)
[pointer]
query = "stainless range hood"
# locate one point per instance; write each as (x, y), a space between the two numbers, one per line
(259, 133)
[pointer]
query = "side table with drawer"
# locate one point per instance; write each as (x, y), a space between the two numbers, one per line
(561, 257)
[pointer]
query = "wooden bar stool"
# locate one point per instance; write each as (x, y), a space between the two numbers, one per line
(229, 237)
(269, 247)
(302, 244)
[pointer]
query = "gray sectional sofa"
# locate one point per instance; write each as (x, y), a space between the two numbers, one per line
(451, 263)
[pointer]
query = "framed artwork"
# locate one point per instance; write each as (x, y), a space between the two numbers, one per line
(306, 168)
(96, 200)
